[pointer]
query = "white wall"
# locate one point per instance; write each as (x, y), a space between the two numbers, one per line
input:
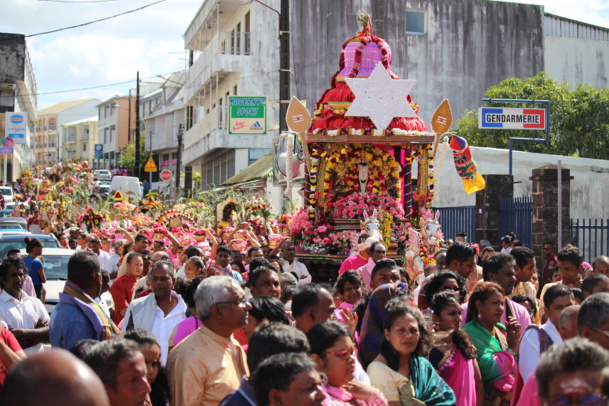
(589, 191)
(577, 60)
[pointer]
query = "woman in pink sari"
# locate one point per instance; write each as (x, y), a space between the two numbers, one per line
(453, 355)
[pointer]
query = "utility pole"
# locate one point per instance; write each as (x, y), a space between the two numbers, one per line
(137, 129)
(129, 120)
(179, 161)
(284, 63)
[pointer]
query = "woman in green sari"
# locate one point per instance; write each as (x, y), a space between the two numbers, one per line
(496, 344)
(401, 371)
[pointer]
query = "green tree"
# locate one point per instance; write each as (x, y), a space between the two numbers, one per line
(579, 119)
(127, 155)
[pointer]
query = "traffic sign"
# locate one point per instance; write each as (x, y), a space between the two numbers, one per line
(165, 175)
(247, 115)
(511, 118)
(150, 166)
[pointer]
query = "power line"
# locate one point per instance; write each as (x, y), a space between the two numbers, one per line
(95, 21)
(92, 87)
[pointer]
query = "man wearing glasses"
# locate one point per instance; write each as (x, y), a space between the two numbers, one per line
(209, 364)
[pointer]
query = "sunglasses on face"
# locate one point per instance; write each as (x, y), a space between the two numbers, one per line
(344, 355)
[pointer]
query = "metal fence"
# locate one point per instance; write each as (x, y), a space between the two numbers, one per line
(517, 215)
(456, 219)
(591, 236)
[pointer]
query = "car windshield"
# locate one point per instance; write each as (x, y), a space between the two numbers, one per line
(17, 242)
(11, 226)
(56, 266)
(6, 191)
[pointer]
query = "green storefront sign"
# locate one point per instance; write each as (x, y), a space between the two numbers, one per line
(247, 115)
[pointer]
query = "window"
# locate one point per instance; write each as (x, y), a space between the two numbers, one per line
(415, 22)
(255, 154)
(235, 90)
(247, 35)
(84, 147)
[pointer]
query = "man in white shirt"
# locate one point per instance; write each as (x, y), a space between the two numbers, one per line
(25, 316)
(102, 256)
(537, 339)
(160, 311)
(289, 263)
(111, 264)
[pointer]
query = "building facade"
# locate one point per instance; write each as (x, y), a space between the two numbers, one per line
(116, 123)
(49, 147)
(234, 51)
(18, 93)
(79, 139)
(164, 114)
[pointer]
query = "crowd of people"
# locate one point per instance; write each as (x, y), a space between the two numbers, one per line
(142, 323)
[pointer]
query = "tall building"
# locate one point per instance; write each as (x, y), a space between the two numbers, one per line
(17, 94)
(79, 139)
(235, 52)
(49, 147)
(116, 123)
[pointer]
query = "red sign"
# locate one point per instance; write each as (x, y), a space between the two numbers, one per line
(165, 175)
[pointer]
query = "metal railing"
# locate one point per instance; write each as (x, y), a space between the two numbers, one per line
(516, 215)
(456, 219)
(591, 236)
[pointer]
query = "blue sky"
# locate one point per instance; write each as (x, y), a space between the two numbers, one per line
(149, 40)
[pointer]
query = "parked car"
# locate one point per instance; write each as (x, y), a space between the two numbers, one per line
(15, 238)
(55, 262)
(102, 175)
(13, 223)
(7, 192)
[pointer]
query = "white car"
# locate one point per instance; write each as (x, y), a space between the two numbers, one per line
(7, 192)
(102, 175)
(55, 262)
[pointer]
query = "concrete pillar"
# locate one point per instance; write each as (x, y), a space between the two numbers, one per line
(487, 206)
(545, 208)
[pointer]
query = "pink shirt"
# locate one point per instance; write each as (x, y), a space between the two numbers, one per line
(185, 328)
(353, 262)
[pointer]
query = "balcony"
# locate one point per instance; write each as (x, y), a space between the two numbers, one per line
(215, 120)
(227, 52)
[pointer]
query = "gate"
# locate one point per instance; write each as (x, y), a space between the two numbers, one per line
(517, 215)
(591, 237)
(456, 219)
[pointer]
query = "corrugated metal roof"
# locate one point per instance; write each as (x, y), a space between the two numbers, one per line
(59, 107)
(260, 169)
(557, 26)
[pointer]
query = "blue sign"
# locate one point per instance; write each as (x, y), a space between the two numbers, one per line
(99, 151)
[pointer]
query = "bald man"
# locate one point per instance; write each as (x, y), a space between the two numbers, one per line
(567, 322)
(53, 378)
